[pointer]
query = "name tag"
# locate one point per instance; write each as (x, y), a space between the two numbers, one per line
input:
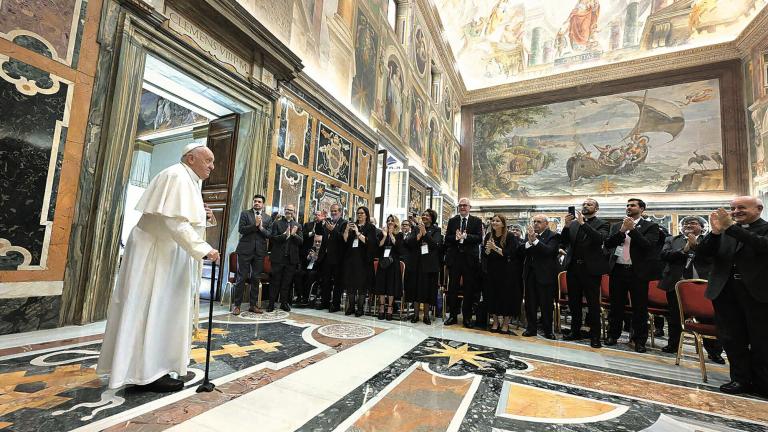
(619, 251)
(387, 252)
(311, 265)
(356, 243)
(424, 248)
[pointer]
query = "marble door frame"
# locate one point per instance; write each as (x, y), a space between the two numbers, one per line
(94, 247)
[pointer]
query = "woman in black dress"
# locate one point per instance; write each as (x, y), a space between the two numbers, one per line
(425, 243)
(502, 274)
(389, 279)
(360, 239)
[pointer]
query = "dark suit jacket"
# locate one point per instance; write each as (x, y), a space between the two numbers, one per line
(747, 248)
(644, 248)
(429, 263)
(675, 260)
(470, 249)
(253, 239)
(285, 249)
(586, 242)
(308, 231)
(332, 248)
(541, 259)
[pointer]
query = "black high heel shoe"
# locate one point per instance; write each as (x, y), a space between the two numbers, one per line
(415, 318)
(427, 321)
(381, 315)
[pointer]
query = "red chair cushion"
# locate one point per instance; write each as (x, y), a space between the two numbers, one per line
(705, 329)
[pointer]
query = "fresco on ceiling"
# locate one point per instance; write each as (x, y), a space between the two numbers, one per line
(393, 104)
(157, 114)
(364, 81)
(664, 139)
(501, 41)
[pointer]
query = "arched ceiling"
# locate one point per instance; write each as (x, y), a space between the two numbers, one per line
(499, 42)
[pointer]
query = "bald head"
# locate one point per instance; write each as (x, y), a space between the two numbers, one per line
(746, 209)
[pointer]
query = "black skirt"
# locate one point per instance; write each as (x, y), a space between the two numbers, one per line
(389, 281)
(425, 288)
(502, 286)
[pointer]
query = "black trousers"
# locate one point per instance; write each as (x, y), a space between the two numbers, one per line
(332, 285)
(249, 269)
(280, 282)
(623, 280)
(582, 284)
(303, 281)
(539, 296)
(742, 325)
(470, 287)
(712, 346)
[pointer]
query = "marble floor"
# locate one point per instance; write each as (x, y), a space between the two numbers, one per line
(310, 370)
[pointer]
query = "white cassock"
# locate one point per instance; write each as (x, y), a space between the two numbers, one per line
(149, 321)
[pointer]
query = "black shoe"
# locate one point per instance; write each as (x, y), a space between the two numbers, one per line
(467, 324)
(165, 384)
(286, 307)
(529, 333)
(427, 321)
(389, 316)
(640, 348)
(572, 336)
(350, 310)
(359, 312)
(415, 318)
(380, 315)
(659, 332)
(550, 336)
(321, 306)
(333, 309)
(595, 342)
(450, 321)
(610, 341)
(735, 387)
(271, 307)
(717, 358)
(671, 348)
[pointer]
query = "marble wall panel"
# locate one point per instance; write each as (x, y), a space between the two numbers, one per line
(18, 315)
(51, 28)
(35, 117)
(334, 154)
(290, 188)
(295, 134)
(325, 195)
(364, 161)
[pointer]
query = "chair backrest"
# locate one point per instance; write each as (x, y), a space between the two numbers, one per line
(267, 265)
(232, 267)
(562, 284)
(375, 265)
(693, 303)
(656, 296)
(605, 284)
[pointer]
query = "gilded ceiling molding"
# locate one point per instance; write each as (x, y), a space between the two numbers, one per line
(441, 46)
(638, 67)
(753, 34)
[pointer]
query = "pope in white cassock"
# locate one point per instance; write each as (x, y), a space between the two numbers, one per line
(149, 321)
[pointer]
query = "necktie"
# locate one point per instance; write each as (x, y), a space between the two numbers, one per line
(463, 224)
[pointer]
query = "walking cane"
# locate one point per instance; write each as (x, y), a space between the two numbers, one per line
(208, 386)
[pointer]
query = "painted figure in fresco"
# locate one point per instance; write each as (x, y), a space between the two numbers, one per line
(421, 51)
(394, 96)
(434, 137)
(582, 24)
(363, 91)
(417, 125)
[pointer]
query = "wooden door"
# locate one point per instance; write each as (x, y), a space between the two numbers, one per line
(222, 141)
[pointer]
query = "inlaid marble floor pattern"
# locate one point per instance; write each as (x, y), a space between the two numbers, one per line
(315, 371)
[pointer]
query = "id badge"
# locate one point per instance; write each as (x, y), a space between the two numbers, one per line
(619, 251)
(387, 251)
(311, 265)
(356, 243)
(424, 249)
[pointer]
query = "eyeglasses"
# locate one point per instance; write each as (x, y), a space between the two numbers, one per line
(463, 205)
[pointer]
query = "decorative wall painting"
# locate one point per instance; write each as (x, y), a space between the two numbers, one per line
(418, 125)
(157, 114)
(333, 154)
(455, 160)
(366, 54)
(325, 195)
(420, 52)
(662, 139)
(364, 169)
(434, 154)
(393, 107)
(417, 194)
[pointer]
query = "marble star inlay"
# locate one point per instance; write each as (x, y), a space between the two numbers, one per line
(235, 350)
(456, 355)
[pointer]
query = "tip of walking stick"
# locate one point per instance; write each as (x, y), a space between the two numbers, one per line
(207, 387)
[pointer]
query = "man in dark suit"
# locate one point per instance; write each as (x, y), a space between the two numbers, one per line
(583, 236)
(302, 280)
(462, 241)
(331, 258)
(286, 239)
(682, 262)
(635, 246)
(738, 244)
(540, 275)
(254, 228)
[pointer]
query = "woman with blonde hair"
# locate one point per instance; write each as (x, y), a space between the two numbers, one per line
(502, 274)
(389, 279)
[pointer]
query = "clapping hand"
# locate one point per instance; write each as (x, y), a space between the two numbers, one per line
(531, 234)
(627, 224)
(258, 220)
(720, 220)
(294, 229)
(579, 218)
